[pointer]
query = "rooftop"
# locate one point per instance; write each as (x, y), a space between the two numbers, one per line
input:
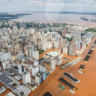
(53, 54)
(10, 94)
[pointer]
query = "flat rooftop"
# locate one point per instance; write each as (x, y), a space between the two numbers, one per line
(66, 83)
(53, 54)
(82, 66)
(86, 58)
(10, 94)
(90, 52)
(70, 77)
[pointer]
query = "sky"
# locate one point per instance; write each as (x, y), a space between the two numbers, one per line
(48, 5)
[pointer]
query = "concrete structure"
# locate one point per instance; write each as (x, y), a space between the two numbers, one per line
(89, 35)
(88, 40)
(26, 52)
(49, 45)
(10, 48)
(4, 64)
(55, 35)
(65, 49)
(17, 77)
(20, 69)
(61, 45)
(5, 56)
(34, 70)
(31, 86)
(26, 77)
(59, 60)
(53, 54)
(72, 49)
(56, 44)
(77, 35)
(78, 52)
(0, 66)
(44, 46)
(36, 55)
(31, 49)
(39, 77)
(36, 62)
(2, 89)
(22, 89)
(84, 45)
(53, 64)
(78, 44)
(68, 35)
(10, 94)
(42, 68)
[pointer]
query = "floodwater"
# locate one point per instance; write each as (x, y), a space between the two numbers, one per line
(85, 88)
(58, 18)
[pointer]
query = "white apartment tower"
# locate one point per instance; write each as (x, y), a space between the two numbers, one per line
(26, 77)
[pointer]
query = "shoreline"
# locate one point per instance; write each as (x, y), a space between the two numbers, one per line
(58, 18)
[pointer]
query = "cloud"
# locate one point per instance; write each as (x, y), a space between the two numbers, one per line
(46, 5)
(34, 2)
(53, 7)
(74, 4)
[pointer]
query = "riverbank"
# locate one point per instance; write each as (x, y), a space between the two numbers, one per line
(58, 18)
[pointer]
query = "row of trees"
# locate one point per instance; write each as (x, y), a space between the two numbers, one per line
(91, 29)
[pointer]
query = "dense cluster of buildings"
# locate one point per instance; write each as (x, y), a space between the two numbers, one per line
(20, 49)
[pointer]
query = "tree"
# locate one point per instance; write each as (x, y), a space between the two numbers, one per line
(86, 45)
(76, 88)
(45, 31)
(50, 30)
(91, 29)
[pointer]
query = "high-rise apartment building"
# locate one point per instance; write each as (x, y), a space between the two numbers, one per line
(72, 49)
(77, 35)
(26, 77)
(78, 44)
